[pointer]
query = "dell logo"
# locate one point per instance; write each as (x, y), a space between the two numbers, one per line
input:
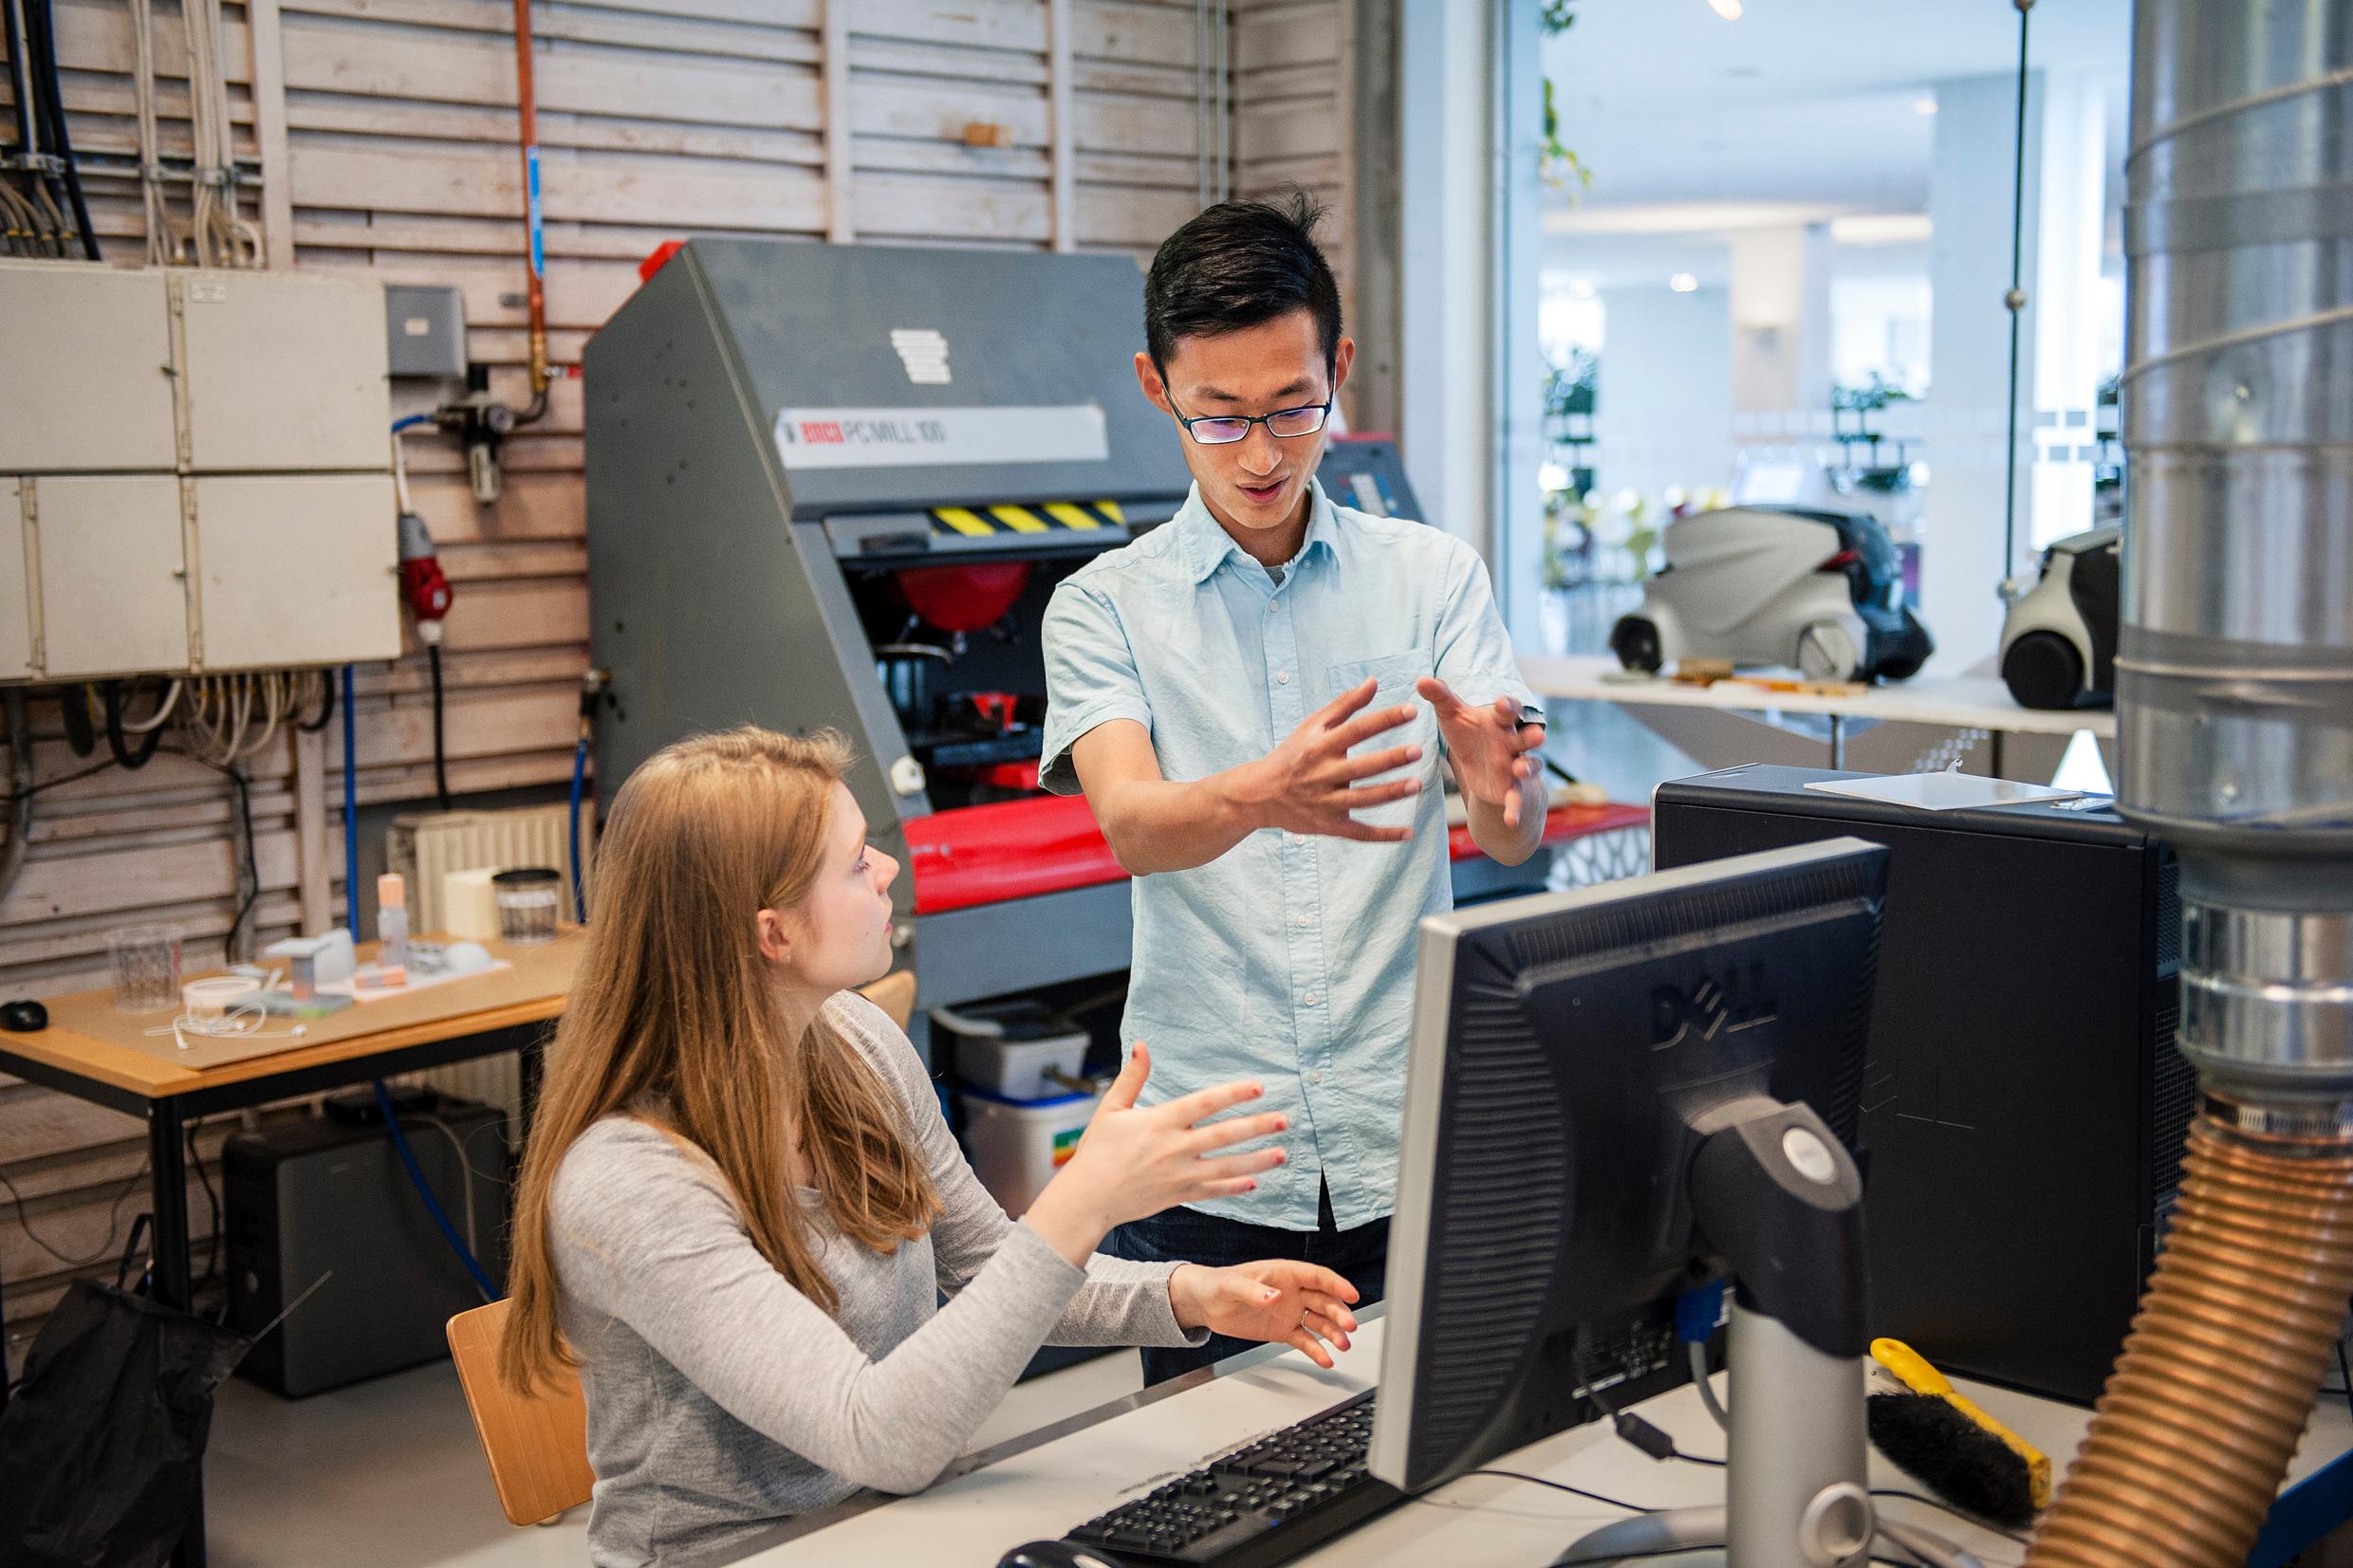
(1726, 1003)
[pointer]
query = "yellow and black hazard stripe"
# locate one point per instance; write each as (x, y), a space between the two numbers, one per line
(1053, 517)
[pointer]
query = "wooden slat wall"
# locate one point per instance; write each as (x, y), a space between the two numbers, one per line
(1290, 94)
(1293, 110)
(381, 139)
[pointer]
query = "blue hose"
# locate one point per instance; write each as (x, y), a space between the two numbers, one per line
(411, 422)
(433, 1205)
(351, 814)
(579, 773)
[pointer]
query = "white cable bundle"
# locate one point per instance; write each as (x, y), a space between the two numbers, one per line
(31, 234)
(223, 722)
(242, 1023)
(224, 1006)
(163, 712)
(228, 719)
(36, 225)
(218, 233)
(156, 209)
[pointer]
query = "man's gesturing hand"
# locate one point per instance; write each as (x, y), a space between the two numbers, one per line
(1490, 748)
(1309, 783)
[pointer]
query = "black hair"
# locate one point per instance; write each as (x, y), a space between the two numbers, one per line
(1238, 264)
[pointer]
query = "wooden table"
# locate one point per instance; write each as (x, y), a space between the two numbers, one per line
(104, 1058)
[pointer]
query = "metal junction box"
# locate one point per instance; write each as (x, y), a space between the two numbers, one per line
(425, 329)
(195, 471)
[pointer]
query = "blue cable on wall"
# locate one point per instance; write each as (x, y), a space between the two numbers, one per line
(351, 814)
(580, 772)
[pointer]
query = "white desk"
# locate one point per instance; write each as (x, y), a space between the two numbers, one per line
(1037, 1486)
(1946, 706)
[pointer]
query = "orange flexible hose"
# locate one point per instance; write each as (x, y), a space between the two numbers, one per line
(2193, 1433)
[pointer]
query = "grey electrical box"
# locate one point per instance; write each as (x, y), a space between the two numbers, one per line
(196, 471)
(425, 328)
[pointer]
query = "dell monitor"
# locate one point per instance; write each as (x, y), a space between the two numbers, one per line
(1615, 1094)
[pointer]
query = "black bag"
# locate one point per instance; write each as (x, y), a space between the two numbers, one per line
(101, 1446)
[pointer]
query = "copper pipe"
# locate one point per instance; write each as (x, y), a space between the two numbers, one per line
(527, 104)
(2192, 1436)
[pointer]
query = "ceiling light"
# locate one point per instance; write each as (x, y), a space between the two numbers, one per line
(1925, 106)
(1860, 228)
(1727, 10)
(1683, 283)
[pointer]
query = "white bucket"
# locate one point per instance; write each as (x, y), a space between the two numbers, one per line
(1016, 1146)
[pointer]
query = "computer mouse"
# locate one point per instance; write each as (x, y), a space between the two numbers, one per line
(1054, 1554)
(465, 958)
(24, 1017)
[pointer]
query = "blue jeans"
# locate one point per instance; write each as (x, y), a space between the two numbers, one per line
(1186, 1235)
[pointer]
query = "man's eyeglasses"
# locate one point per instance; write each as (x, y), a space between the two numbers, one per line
(1225, 429)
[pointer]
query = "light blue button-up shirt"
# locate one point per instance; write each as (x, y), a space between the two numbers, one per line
(1290, 957)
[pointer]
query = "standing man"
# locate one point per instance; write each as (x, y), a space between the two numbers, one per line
(1254, 696)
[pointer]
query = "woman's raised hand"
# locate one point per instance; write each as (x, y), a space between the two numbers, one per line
(1136, 1162)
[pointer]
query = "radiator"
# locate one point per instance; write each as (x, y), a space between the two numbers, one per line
(425, 847)
(486, 1081)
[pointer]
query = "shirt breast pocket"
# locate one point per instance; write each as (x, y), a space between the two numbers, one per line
(1397, 675)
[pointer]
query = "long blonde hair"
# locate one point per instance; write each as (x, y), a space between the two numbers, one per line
(673, 1017)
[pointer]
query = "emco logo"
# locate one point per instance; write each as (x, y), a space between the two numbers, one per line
(1719, 1004)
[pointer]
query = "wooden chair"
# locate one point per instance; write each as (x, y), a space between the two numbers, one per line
(894, 995)
(538, 1447)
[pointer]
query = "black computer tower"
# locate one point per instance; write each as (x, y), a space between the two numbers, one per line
(323, 1197)
(2024, 1110)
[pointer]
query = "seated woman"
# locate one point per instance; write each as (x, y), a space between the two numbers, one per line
(739, 1201)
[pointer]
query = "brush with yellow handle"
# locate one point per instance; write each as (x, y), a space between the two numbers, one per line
(1950, 1444)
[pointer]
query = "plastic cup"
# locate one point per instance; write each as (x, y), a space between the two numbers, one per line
(527, 899)
(146, 966)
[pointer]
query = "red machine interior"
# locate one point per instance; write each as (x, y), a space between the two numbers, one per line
(979, 855)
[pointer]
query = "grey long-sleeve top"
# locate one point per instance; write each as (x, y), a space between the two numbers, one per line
(720, 1398)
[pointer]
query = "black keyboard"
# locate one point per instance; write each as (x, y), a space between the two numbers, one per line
(1261, 1505)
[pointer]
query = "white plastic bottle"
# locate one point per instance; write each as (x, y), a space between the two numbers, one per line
(392, 929)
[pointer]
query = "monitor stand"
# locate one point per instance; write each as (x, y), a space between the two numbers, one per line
(1776, 1197)
(1795, 1483)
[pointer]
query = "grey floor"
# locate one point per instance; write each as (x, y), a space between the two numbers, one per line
(388, 1474)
